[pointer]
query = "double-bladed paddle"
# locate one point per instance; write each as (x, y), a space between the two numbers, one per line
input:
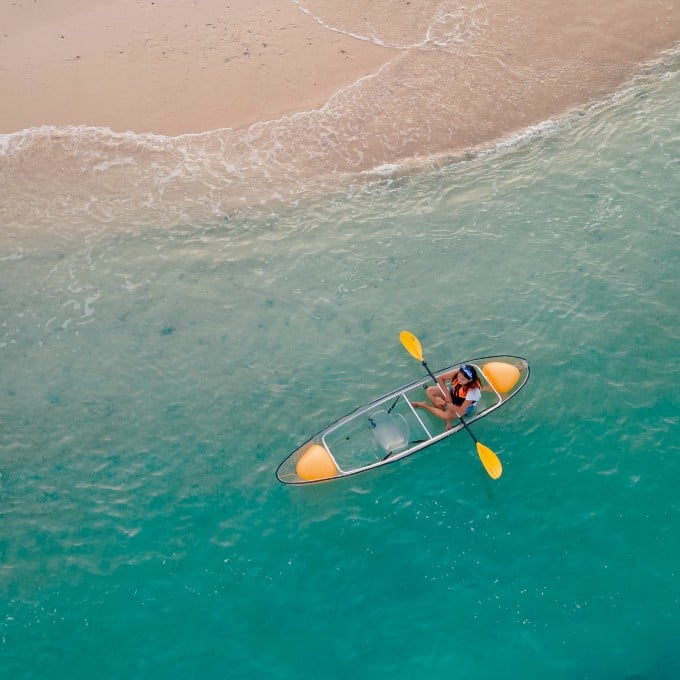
(490, 460)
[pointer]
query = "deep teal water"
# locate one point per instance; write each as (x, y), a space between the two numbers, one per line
(152, 380)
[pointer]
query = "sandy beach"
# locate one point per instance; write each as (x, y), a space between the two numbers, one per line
(170, 67)
(176, 67)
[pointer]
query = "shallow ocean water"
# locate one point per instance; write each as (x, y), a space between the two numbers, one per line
(153, 379)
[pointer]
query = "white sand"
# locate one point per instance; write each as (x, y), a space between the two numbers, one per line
(173, 66)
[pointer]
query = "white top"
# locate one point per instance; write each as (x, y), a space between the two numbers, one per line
(474, 395)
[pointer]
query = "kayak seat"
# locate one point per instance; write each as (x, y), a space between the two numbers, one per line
(390, 430)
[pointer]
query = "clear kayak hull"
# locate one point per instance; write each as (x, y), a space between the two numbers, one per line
(389, 428)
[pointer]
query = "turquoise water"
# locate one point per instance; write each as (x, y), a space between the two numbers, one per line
(153, 379)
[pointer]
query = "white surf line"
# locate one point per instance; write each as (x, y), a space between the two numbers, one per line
(372, 39)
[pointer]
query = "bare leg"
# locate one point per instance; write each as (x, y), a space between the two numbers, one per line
(434, 394)
(434, 410)
(446, 412)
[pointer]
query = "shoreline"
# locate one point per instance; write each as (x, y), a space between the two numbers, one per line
(133, 180)
(479, 79)
(182, 71)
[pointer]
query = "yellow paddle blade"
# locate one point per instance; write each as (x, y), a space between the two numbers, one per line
(490, 461)
(411, 344)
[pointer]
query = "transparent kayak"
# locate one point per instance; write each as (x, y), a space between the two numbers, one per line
(390, 428)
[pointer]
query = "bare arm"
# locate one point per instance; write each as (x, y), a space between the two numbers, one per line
(441, 381)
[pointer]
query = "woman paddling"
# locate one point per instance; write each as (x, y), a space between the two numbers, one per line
(457, 398)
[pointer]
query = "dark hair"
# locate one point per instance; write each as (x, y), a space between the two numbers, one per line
(470, 373)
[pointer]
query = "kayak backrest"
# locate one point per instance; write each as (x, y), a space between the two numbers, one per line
(390, 430)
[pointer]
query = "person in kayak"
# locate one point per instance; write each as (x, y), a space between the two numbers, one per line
(455, 399)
